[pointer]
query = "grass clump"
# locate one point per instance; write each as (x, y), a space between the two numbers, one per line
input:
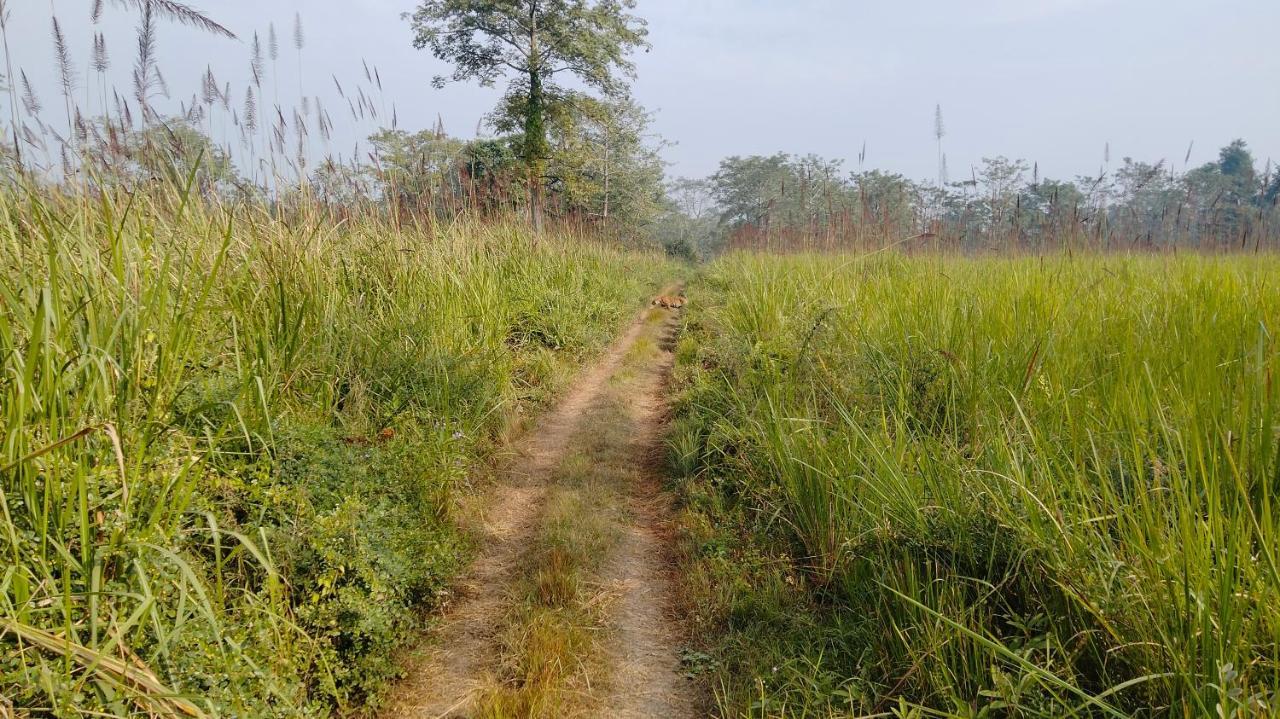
(233, 441)
(984, 487)
(550, 647)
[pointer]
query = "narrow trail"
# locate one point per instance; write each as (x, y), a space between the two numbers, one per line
(647, 681)
(607, 435)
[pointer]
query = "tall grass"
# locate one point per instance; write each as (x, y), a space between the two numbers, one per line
(232, 443)
(986, 487)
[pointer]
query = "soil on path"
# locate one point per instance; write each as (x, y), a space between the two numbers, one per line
(642, 649)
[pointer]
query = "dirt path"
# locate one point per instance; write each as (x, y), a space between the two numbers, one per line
(603, 442)
(644, 651)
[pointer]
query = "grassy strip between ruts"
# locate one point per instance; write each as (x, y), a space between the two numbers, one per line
(232, 443)
(938, 486)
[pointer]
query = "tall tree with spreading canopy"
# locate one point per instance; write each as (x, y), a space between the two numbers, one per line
(532, 42)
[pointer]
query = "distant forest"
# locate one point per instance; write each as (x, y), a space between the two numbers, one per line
(598, 164)
(784, 202)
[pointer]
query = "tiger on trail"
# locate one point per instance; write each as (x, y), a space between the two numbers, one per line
(668, 301)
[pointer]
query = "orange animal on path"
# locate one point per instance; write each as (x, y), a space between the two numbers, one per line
(668, 302)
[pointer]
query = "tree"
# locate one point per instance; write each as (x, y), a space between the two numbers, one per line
(1272, 191)
(491, 163)
(600, 163)
(618, 174)
(1146, 192)
(1045, 211)
(1001, 178)
(885, 198)
(687, 226)
(533, 42)
(341, 185)
(415, 170)
(172, 149)
(1235, 160)
(1224, 190)
(692, 197)
(748, 189)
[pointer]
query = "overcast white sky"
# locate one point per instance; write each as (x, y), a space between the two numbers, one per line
(1051, 81)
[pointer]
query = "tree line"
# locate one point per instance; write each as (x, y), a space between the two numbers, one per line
(568, 142)
(785, 202)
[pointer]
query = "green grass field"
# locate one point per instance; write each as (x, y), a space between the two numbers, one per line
(585, 366)
(1031, 487)
(233, 444)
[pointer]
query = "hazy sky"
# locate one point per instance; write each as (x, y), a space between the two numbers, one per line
(1051, 81)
